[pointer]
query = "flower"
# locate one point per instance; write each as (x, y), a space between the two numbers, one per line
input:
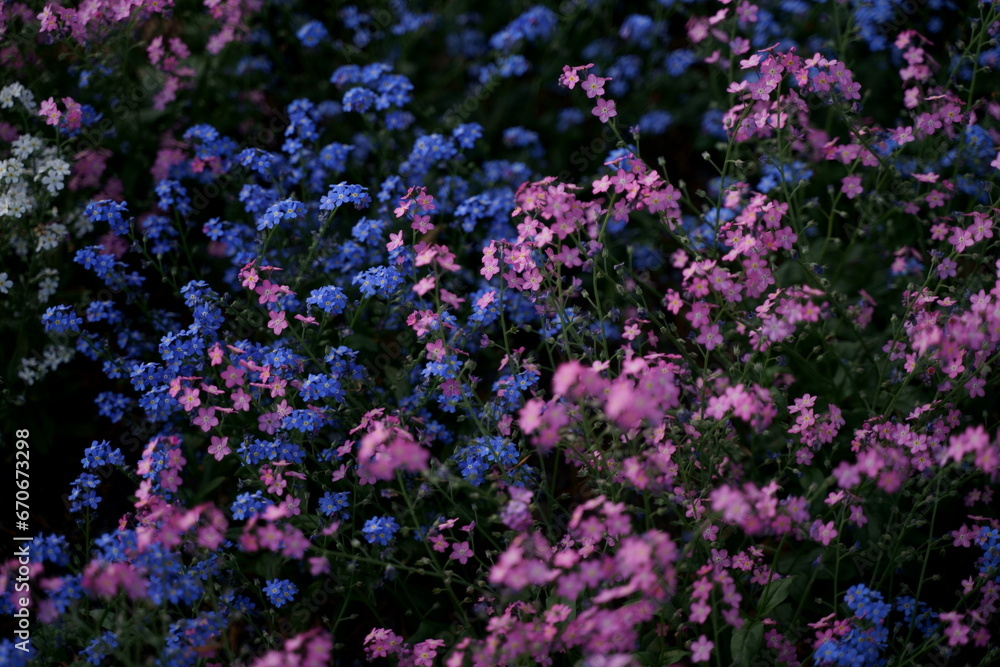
(461, 552)
(50, 112)
(380, 530)
(280, 591)
(219, 447)
(206, 419)
(851, 186)
(605, 109)
(61, 318)
(822, 533)
(594, 85)
(277, 322)
(702, 649)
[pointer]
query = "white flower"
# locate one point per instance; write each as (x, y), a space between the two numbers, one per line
(11, 170)
(50, 236)
(50, 283)
(53, 173)
(5, 283)
(57, 165)
(16, 91)
(81, 225)
(53, 182)
(26, 145)
(9, 94)
(55, 355)
(16, 200)
(28, 100)
(29, 370)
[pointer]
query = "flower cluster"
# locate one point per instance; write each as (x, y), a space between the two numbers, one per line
(584, 373)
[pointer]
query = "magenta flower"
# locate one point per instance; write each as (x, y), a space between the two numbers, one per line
(461, 552)
(710, 337)
(851, 186)
(605, 109)
(823, 533)
(594, 85)
(190, 399)
(278, 322)
(268, 292)
(206, 419)
(219, 447)
(702, 649)
(241, 400)
(50, 112)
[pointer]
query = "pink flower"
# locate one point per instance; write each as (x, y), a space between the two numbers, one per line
(169, 479)
(318, 565)
(903, 135)
(269, 422)
(206, 419)
(961, 239)
(425, 285)
(710, 337)
(268, 292)
(278, 322)
(74, 114)
(250, 277)
(395, 241)
(49, 112)
(857, 516)
(421, 223)
(851, 186)
(702, 649)
(822, 533)
(48, 20)
(605, 109)
(570, 76)
(241, 400)
(594, 85)
(975, 387)
(295, 543)
(935, 199)
(461, 552)
(233, 376)
(219, 447)
(190, 399)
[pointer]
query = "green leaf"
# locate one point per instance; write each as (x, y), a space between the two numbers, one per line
(747, 642)
(774, 594)
(207, 488)
(674, 656)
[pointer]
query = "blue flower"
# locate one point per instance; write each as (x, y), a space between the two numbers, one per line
(335, 503)
(247, 504)
(342, 193)
(100, 454)
(359, 99)
(59, 319)
(380, 530)
(111, 211)
(381, 280)
(51, 548)
(280, 591)
(283, 210)
(329, 299)
(83, 494)
(466, 134)
(100, 647)
(334, 156)
(312, 33)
